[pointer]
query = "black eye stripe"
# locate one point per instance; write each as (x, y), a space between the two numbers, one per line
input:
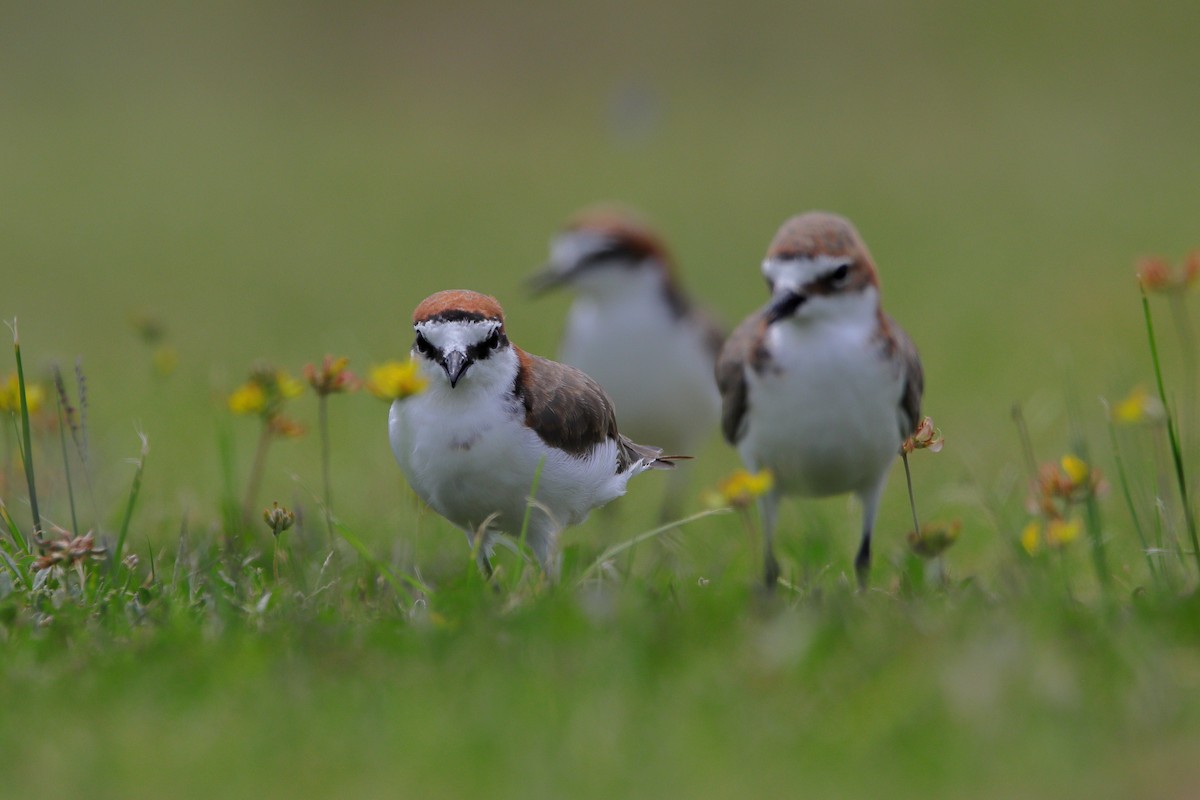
(481, 350)
(612, 251)
(836, 276)
(424, 346)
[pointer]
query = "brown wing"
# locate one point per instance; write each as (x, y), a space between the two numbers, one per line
(914, 379)
(563, 406)
(714, 331)
(742, 349)
(567, 409)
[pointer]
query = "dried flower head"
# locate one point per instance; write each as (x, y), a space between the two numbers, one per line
(1156, 275)
(278, 518)
(934, 538)
(925, 437)
(331, 377)
(396, 380)
(66, 549)
(1071, 480)
(285, 427)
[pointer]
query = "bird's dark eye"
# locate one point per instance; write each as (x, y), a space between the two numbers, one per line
(839, 274)
(493, 340)
(423, 345)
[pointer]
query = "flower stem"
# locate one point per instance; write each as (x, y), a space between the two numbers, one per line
(1176, 454)
(256, 473)
(323, 424)
(912, 502)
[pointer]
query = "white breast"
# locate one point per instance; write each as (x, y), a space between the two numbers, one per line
(468, 455)
(826, 420)
(656, 368)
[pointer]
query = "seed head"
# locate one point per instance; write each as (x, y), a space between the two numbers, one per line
(331, 377)
(278, 518)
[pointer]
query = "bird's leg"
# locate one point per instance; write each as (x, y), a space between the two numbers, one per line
(862, 561)
(544, 544)
(480, 544)
(870, 508)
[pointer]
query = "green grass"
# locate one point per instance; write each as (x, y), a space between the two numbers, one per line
(289, 180)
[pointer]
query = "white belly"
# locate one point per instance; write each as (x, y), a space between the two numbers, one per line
(658, 374)
(828, 421)
(470, 460)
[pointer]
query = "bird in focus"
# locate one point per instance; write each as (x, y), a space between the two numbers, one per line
(820, 385)
(493, 418)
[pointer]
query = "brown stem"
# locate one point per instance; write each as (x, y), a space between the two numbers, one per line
(256, 473)
(323, 423)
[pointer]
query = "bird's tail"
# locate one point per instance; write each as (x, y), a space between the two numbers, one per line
(642, 456)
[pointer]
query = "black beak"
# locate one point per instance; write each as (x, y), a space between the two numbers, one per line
(784, 304)
(455, 363)
(550, 277)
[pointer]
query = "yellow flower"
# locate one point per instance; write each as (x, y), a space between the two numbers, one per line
(1031, 537)
(249, 398)
(396, 380)
(1060, 532)
(10, 395)
(740, 488)
(165, 359)
(1071, 480)
(1138, 406)
(1076, 468)
(289, 387)
(934, 538)
(265, 392)
(1057, 533)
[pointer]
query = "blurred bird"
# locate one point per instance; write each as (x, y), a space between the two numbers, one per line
(820, 386)
(632, 328)
(495, 417)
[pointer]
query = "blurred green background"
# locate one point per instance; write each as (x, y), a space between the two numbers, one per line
(281, 180)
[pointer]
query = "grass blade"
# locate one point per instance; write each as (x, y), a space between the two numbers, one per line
(133, 496)
(1123, 479)
(64, 414)
(397, 581)
(27, 449)
(621, 547)
(1172, 435)
(13, 531)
